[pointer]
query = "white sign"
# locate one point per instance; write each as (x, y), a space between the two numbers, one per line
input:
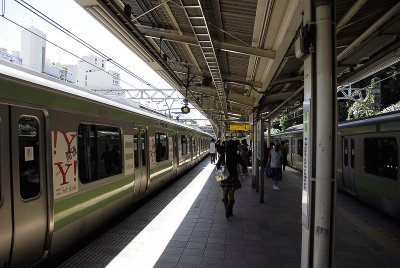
(29, 154)
(306, 164)
(65, 163)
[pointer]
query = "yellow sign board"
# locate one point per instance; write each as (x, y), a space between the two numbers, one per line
(234, 126)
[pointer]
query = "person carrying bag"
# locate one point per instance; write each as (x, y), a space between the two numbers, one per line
(231, 182)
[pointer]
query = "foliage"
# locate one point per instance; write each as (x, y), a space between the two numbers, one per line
(363, 107)
(283, 122)
(391, 108)
(389, 83)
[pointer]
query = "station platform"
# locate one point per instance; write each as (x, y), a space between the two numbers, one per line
(185, 226)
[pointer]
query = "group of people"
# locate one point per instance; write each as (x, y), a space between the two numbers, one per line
(217, 151)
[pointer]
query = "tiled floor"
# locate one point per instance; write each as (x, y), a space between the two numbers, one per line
(258, 235)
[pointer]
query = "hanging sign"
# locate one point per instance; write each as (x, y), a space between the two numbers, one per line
(234, 126)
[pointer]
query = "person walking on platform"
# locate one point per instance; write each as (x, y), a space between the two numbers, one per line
(217, 145)
(221, 153)
(275, 162)
(212, 151)
(231, 183)
(244, 149)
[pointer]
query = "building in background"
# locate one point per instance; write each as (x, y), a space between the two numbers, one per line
(92, 74)
(33, 49)
(12, 58)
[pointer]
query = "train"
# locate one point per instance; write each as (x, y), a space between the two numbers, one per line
(367, 159)
(71, 161)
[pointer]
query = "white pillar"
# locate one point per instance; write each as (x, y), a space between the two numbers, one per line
(319, 137)
(324, 123)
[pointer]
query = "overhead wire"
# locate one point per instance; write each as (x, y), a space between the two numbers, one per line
(79, 40)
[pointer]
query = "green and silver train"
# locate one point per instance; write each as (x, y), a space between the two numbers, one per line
(70, 161)
(367, 159)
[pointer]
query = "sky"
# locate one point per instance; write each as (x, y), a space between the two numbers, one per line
(68, 14)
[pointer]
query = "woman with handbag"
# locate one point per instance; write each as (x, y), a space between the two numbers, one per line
(231, 182)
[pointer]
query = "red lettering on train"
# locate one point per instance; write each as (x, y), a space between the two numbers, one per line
(63, 172)
(69, 142)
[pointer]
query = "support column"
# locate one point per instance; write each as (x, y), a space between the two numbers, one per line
(262, 160)
(325, 136)
(319, 137)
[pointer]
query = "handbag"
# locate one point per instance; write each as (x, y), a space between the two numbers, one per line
(222, 174)
(268, 171)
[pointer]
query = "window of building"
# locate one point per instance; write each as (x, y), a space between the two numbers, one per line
(99, 152)
(29, 161)
(380, 157)
(161, 146)
(184, 144)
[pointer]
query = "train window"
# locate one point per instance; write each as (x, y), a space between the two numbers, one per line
(345, 152)
(99, 149)
(194, 146)
(144, 146)
(29, 168)
(380, 157)
(135, 146)
(161, 147)
(184, 144)
(300, 147)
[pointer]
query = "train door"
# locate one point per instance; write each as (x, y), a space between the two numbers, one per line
(29, 188)
(5, 189)
(141, 159)
(175, 151)
(348, 164)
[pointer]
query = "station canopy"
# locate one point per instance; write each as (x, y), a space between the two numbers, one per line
(229, 56)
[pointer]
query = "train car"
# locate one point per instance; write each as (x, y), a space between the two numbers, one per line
(71, 160)
(367, 159)
(293, 138)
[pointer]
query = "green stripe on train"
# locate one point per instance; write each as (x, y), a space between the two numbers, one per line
(80, 205)
(388, 190)
(48, 99)
(160, 170)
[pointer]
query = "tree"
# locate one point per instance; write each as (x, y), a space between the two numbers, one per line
(363, 107)
(283, 122)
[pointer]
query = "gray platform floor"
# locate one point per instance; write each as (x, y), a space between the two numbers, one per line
(258, 235)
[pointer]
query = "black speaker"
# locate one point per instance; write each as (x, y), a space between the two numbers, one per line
(127, 10)
(206, 81)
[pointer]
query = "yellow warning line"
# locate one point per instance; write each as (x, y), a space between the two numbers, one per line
(386, 240)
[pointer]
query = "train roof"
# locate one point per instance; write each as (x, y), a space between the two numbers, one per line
(24, 74)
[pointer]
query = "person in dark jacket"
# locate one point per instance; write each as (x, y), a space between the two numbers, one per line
(221, 153)
(232, 183)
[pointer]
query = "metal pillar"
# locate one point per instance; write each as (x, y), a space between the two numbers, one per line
(319, 138)
(262, 160)
(257, 156)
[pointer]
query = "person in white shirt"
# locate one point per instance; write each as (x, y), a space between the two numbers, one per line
(275, 162)
(213, 151)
